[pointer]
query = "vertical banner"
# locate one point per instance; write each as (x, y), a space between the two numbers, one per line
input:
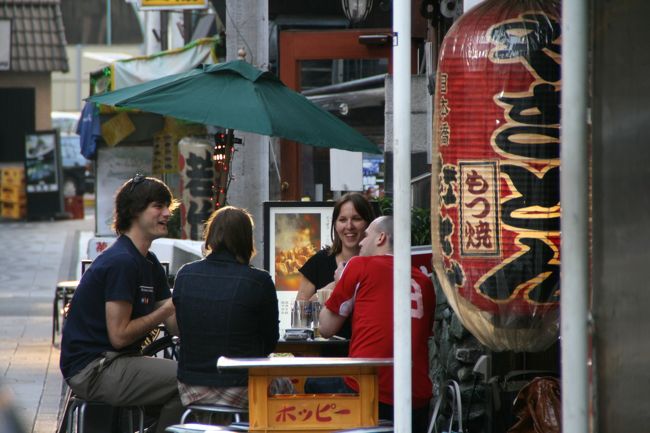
(496, 213)
(197, 180)
(165, 153)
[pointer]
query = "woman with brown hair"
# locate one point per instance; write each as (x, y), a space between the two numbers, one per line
(224, 307)
(351, 216)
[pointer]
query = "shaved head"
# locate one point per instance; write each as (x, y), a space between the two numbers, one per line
(379, 237)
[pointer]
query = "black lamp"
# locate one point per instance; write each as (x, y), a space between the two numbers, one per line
(356, 10)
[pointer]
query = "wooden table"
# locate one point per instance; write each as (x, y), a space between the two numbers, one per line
(312, 412)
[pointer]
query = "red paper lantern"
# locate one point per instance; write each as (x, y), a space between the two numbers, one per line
(497, 128)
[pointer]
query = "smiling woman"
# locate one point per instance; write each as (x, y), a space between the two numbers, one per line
(350, 217)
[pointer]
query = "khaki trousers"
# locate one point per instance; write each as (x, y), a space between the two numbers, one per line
(125, 380)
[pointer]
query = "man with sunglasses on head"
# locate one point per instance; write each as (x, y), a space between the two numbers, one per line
(120, 299)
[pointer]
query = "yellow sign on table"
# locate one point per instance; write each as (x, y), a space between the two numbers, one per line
(322, 413)
(173, 4)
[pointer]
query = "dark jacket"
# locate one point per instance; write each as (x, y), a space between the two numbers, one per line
(223, 308)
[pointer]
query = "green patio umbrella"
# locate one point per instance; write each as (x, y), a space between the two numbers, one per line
(236, 95)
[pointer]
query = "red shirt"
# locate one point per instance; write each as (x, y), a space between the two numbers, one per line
(366, 287)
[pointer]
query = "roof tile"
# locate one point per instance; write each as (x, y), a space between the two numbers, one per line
(38, 38)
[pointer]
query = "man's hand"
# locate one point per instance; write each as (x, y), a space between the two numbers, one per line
(339, 271)
(122, 331)
(166, 307)
(170, 322)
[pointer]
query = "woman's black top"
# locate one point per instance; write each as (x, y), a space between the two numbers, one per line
(319, 270)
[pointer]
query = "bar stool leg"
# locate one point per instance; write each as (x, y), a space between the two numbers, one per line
(81, 420)
(129, 411)
(55, 315)
(141, 423)
(71, 415)
(185, 415)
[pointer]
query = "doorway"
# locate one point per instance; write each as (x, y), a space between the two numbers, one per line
(317, 58)
(17, 108)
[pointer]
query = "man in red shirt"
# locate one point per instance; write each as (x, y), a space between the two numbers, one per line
(364, 289)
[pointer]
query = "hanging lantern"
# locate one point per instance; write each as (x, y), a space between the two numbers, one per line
(496, 214)
(356, 10)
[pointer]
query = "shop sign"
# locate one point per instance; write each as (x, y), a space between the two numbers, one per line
(42, 162)
(172, 4)
(302, 414)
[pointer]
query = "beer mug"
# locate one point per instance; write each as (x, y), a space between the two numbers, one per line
(323, 295)
(315, 311)
(301, 316)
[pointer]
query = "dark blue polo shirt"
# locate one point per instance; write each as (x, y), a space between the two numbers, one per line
(120, 273)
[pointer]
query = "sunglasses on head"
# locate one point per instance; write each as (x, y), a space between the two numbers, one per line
(137, 179)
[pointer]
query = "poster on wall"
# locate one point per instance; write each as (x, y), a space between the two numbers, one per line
(41, 162)
(293, 232)
(116, 165)
(43, 175)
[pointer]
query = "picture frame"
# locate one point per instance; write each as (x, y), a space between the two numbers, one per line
(42, 161)
(43, 174)
(293, 232)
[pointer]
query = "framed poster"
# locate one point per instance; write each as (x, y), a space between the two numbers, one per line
(42, 161)
(293, 232)
(43, 175)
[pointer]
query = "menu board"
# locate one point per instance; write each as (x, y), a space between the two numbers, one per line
(41, 162)
(116, 165)
(43, 175)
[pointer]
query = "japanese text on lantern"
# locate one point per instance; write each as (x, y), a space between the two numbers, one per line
(530, 138)
(443, 112)
(479, 208)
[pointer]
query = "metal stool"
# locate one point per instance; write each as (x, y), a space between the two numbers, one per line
(212, 409)
(63, 292)
(77, 415)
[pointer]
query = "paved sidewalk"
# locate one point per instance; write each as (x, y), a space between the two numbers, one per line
(34, 256)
